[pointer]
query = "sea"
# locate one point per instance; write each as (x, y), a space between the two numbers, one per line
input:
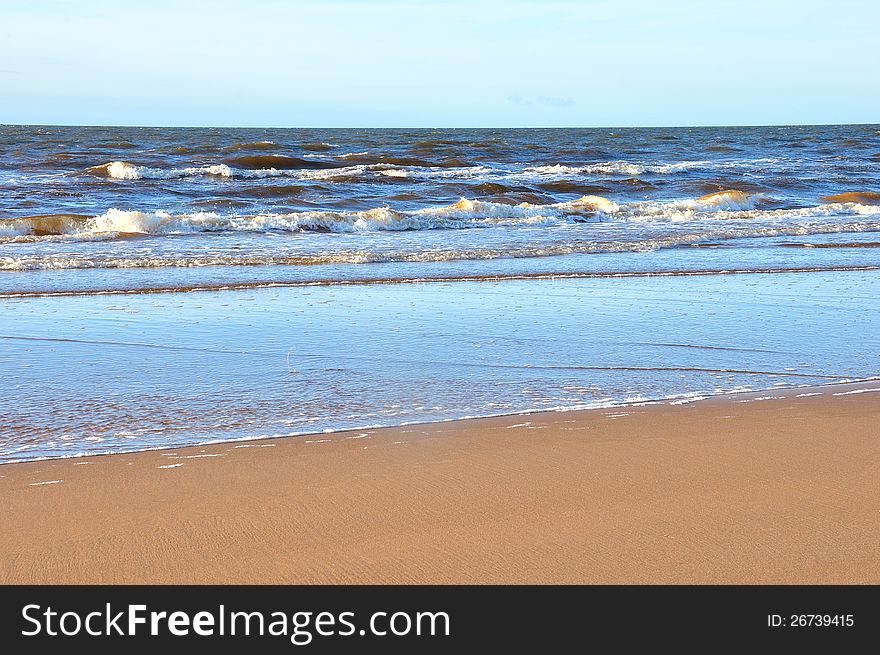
(169, 286)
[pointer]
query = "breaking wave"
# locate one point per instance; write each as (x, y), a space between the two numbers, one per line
(462, 214)
(723, 206)
(621, 167)
(360, 164)
(256, 167)
(120, 170)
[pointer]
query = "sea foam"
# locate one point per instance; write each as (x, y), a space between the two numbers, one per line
(726, 206)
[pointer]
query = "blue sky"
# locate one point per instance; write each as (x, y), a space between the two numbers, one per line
(432, 63)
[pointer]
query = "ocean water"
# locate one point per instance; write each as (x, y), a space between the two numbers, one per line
(327, 279)
(132, 208)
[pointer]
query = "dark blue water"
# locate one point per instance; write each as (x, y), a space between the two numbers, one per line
(128, 208)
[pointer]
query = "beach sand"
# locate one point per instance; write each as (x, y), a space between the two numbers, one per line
(773, 487)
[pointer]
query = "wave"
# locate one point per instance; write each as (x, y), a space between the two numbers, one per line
(120, 170)
(718, 185)
(728, 199)
(730, 205)
(42, 225)
(253, 145)
(317, 147)
(466, 209)
(615, 168)
(193, 150)
(464, 213)
(526, 251)
(369, 158)
(430, 144)
(621, 167)
(569, 186)
(498, 189)
(860, 197)
(277, 162)
(376, 220)
(358, 166)
(252, 167)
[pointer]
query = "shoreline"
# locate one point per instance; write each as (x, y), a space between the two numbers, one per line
(670, 401)
(733, 488)
(188, 369)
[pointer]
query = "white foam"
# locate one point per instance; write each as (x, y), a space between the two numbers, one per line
(120, 170)
(613, 168)
(850, 393)
(718, 216)
(689, 398)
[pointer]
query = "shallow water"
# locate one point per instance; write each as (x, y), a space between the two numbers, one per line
(92, 374)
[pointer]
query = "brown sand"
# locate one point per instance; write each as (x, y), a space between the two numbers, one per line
(772, 490)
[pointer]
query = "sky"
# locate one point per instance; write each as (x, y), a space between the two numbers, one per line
(433, 63)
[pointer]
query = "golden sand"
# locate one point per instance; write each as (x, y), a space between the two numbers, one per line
(782, 488)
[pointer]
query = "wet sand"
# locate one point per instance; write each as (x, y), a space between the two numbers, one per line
(773, 487)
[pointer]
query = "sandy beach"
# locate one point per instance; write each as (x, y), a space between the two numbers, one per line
(773, 487)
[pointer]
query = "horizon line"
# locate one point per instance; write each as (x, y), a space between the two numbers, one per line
(439, 127)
